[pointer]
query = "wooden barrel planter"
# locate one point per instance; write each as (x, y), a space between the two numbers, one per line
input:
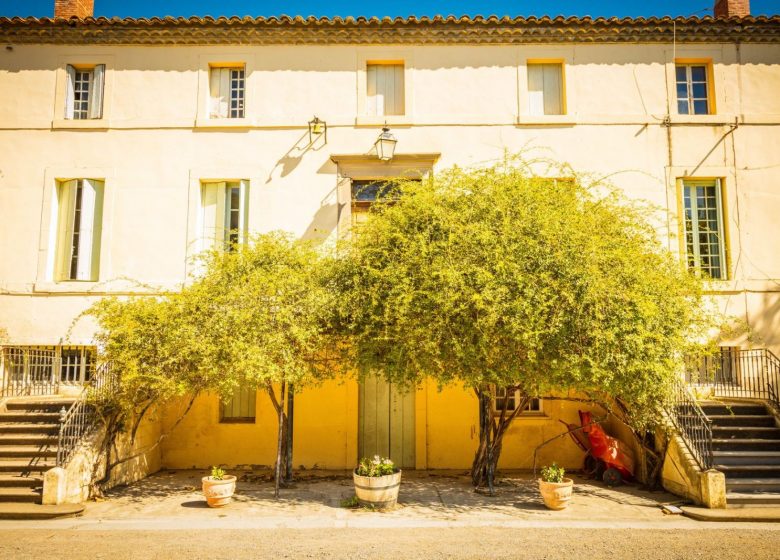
(556, 495)
(377, 491)
(218, 493)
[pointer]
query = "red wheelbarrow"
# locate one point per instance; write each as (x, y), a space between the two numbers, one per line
(606, 457)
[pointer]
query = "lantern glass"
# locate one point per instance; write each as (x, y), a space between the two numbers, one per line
(385, 145)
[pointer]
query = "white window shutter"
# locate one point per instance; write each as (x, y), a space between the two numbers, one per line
(96, 97)
(371, 92)
(86, 266)
(66, 200)
(213, 208)
(535, 89)
(552, 89)
(219, 87)
(70, 86)
(545, 89)
(243, 212)
(399, 107)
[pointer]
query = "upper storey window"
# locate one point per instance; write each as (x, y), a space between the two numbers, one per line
(79, 229)
(227, 91)
(693, 89)
(84, 92)
(545, 89)
(385, 89)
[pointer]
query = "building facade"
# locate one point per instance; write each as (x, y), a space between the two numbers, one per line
(127, 146)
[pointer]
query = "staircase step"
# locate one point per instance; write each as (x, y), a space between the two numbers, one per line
(30, 417)
(17, 481)
(747, 444)
(20, 495)
(746, 420)
(38, 406)
(28, 439)
(37, 511)
(741, 432)
(768, 485)
(25, 428)
(749, 471)
(722, 409)
(22, 466)
(752, 499)
(27, 451)
(745, 457)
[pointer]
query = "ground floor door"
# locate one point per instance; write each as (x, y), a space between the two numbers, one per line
(386, 422)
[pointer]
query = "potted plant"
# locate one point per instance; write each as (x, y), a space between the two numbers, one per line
(556, 490)
(377, 482)
(219, 487)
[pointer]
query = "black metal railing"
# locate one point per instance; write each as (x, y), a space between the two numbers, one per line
(78, 422)
(736, 373)
(29, 371)
(692, 424)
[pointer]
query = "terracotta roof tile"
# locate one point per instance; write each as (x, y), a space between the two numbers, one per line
(489, 29)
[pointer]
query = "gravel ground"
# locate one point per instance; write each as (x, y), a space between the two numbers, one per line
(452, 543)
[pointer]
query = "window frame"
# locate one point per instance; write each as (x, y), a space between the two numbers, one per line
(368, 103)
(710, 75)
(722, 217)
(563, 92)
(230, 67)
(222, 212)
(60, 118)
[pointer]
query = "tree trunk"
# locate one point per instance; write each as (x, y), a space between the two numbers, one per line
(280, 444)
(492, 428)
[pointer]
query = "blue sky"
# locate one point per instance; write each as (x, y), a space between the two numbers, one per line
(148, 8)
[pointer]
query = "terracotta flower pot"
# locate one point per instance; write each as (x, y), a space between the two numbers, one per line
(556, 495)
(219, 492)
(377, 491)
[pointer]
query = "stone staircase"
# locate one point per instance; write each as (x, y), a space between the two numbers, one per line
(746, 448)
(28, 446)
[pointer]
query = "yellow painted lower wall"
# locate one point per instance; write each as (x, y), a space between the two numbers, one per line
(326, 425)
(325, 432)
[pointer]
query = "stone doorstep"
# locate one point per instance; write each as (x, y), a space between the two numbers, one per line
(37, 511)
(753, 514)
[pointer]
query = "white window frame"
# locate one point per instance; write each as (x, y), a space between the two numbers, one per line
(686, 184)
(690, 99)
(77, 86)
(79, 229)
(215, 213)
(227, 91)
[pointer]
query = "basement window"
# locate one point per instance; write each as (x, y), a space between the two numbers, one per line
(512, 400)
(241, 407)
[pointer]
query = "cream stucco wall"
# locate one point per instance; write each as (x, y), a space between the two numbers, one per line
(467, 103)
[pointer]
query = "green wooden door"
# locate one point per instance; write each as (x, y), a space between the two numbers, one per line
(386, 422)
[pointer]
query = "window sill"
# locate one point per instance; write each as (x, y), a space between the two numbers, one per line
(703, 119)
(66, 287)
(382, 120)
(81, 124)
(244, 123)
(546, 120)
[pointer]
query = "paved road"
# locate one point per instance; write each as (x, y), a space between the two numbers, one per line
(711, 542)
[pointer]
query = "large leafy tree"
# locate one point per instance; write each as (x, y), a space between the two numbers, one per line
(503, 280)
(253, 317)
